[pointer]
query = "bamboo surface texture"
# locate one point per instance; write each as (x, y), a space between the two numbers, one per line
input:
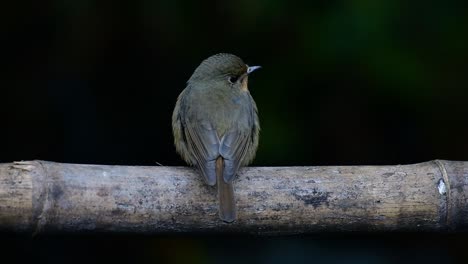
(43, 197)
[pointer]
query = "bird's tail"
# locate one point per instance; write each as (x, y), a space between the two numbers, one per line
(227, 205)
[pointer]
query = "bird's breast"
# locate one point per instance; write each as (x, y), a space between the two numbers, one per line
(245, 84)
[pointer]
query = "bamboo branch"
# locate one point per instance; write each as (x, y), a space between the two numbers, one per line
(40, 196)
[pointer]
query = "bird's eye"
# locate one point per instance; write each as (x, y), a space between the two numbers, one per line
(232, 79)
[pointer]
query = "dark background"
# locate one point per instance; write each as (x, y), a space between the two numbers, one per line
(343, 82)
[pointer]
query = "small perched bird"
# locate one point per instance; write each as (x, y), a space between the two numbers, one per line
(215, 124)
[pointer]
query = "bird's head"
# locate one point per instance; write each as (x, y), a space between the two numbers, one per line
(223, 70)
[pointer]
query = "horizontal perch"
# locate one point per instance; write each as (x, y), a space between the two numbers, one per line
(41, 196)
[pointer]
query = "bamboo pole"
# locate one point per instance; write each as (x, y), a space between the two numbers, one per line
(41, 196)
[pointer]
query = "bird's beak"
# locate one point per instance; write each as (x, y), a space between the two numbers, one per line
(251, 69)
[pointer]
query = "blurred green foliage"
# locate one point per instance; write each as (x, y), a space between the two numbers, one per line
(343, 82)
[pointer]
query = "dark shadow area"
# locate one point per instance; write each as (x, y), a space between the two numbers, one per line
(318, 248)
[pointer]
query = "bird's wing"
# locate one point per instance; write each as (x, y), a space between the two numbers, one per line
(238, 146)
(234, 147)
(203, 142)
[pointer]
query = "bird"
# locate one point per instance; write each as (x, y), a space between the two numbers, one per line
(216, 126)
